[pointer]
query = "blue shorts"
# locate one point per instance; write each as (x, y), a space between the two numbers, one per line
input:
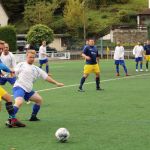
(44, 61)
(4, 80)
(138, 59)
(119, 62)
(20, 92)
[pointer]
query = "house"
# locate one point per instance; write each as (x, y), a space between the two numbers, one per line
(3, 16)
(59, 42)
(143, 18)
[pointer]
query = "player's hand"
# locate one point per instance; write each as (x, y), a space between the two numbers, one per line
(59, 84)
(88, 58)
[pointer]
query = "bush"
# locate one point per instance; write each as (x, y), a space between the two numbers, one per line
(8, 34)
(39, 33)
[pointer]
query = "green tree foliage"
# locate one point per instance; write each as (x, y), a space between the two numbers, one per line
(14, 8)
(75, 15)
(38, 33)
(8, 34)
(40, 12)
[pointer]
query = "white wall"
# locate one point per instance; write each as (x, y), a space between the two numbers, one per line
(57, 44)
(3, 17)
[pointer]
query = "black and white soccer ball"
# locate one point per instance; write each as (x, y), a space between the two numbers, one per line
(62, 134)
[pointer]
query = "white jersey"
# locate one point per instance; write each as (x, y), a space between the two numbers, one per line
(27, 74)
(9, 60)
(138, 51)
(119, 53)
(42, 52)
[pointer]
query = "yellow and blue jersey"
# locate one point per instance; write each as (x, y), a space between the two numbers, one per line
(92, 52)
(91, 65)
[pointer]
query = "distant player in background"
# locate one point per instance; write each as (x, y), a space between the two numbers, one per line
(147, 53)
(27, 74)
(90, 54)
(138, 52)
(13, 122)
(9, 60)
(119, 58)
(43, 57)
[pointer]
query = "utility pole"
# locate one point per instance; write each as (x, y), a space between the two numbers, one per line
(84, 21)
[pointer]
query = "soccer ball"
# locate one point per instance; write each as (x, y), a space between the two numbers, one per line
(62, 134)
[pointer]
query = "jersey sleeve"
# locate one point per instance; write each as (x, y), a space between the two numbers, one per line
(42, 73)
(3, 67)
(18, 68)
(85, 50)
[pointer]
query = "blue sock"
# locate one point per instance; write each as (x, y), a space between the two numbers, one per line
(117, 68)
(35, 109)
(47, 68)
(10, 109)
(141, 65)
(97, 82)
(125, 69)
(82, 82)
(15, 109)
(137, 65)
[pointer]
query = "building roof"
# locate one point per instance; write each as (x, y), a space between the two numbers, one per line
(145, 12)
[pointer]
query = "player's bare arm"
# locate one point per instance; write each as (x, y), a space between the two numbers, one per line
(51, 80)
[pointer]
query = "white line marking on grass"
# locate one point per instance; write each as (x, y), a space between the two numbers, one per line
(107, 80)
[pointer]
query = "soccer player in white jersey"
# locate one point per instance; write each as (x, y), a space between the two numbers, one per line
(27, 73)
(9, 60)
(138, 51)
(43, 57)
(119, 58)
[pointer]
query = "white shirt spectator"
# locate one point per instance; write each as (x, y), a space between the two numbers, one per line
(138, 51)
(119, 53)
(9, 60)
(42, 53)
(27, 74)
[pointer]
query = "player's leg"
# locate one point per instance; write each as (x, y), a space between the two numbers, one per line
(36, 107)
(137, 62)
(141, 64)
(87, 70)
(117, 67)
(12, 121)
(96, 70)
(47, 66)
(41, 63)
(124, 67)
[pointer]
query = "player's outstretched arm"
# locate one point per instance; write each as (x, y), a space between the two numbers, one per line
(51, 80)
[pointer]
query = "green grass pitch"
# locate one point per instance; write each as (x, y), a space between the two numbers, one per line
(117, 118)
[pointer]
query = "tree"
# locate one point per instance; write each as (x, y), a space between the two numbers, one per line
(75, 16)
(8, 34)
(40, 12)
(14, 8)
(39, 33)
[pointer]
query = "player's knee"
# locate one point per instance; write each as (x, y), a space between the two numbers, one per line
(18, 102)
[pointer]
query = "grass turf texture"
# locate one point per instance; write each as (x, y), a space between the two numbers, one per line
(117, 118)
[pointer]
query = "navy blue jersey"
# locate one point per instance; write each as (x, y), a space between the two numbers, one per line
(92, 52)
(147, 49)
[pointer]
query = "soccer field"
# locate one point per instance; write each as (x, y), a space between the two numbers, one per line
(117, 118)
